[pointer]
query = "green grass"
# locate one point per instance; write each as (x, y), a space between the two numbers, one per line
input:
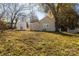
(29, 43)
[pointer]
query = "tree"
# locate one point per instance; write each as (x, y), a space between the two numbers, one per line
(54, 10)
(67, 16)
(14, 9)
(3, 11)
(33, 17)
(64, 15)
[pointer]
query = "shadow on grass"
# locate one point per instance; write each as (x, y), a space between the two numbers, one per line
(60, 33)
(66, 34)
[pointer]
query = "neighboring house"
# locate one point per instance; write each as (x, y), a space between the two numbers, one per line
(71, 30)
(21, 25)
(76, 30)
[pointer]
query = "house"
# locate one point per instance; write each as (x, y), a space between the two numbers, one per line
(36, 26)
(21, 24)
(45, 24)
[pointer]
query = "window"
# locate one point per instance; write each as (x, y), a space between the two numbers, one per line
(45, 25)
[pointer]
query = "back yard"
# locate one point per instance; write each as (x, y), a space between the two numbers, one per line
(29, 43)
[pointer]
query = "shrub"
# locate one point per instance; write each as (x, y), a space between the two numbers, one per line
(3, 26)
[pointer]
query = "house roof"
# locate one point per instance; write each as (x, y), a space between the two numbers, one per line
(47, 17)
(44, 18)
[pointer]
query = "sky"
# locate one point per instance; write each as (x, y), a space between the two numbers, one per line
(77, 8)
(40, 15)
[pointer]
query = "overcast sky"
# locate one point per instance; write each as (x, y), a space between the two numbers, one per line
(77, 8)
(40, 14)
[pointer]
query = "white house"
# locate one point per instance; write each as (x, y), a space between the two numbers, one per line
(45, 24)
(21, 24)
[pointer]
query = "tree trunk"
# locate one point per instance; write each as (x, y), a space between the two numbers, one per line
(56, 25)
(15, 23)
(55, 13)
(11, 26)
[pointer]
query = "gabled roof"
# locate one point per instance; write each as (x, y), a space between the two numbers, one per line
(47, 17)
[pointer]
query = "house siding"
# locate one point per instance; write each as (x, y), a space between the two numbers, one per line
(21, 25)
(34, 26)
(46, 24)
(40, 25)
(50, 22)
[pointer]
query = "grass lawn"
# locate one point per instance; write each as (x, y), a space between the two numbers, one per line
(29, 43)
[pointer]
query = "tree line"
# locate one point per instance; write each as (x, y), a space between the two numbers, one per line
(65, 14)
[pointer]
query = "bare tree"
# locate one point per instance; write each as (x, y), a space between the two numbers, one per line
(14, 9)
(3, 10)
